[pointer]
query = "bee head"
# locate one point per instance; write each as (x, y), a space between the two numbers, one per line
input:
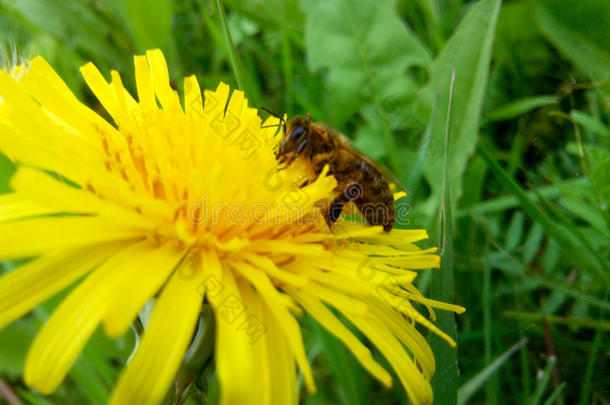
(295, 139)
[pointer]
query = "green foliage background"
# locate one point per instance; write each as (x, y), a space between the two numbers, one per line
(523, 183)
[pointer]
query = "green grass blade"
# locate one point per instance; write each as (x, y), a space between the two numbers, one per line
(33, 399)
(470, 387)
(575, 250)
(444, 382)
(502, 203)
(491, 389)
(592, 124)
(553, 397)
(517, 270)
(230, 48)
(598, 324)
(573, 230)
(543, 381)
(519, 107)
(585, 392)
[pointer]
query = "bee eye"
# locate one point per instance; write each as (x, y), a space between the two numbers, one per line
(297, 132)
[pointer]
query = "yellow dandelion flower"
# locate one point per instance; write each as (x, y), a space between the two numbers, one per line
(183, 201)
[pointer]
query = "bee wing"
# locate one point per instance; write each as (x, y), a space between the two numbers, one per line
(345, 143)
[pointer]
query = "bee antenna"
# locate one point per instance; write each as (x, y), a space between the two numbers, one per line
(282, 120)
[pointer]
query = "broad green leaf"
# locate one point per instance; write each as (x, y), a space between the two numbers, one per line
(580, 30)
(366, 49)
(368, 139)
(468, 51)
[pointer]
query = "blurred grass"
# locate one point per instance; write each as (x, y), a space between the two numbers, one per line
(528, 162)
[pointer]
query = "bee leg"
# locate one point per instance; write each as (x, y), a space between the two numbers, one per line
(301, 146)
(334, 211)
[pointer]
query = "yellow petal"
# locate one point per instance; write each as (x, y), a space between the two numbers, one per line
(415, 295)
(417, 387)
(282, 368)
(329, 321)
(30, 237)
(291, 327)
(32, 283)
(193, 101)
(21, 122)
(45, 85)
(102, 90)
(146, 91)
(236, 363)
(406, 332)
(281, 246)
(160, 77)
(397, 236)
(339, 300)
(415, 262)
(148, 273)
(269, 267)
(254, 328)
(64, 335)
(37, 185)
(14, 206)
(276, 379)
(399, 195)
(155, 363)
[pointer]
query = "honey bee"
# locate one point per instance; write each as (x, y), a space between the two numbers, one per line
(359, 179)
